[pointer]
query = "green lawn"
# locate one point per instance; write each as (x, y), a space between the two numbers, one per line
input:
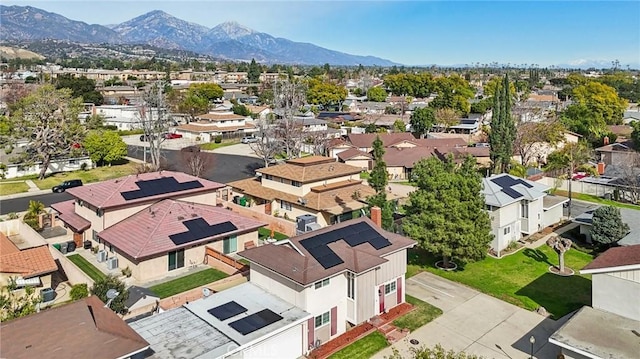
(265, 233)
(93, 175)
(93, 272)
(12, 188)
(187, 282)
(363, 348)
(212, 145)
(521, 279)
(596, 199)
(423, 314)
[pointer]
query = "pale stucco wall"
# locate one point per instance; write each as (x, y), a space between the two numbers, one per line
(617, 294)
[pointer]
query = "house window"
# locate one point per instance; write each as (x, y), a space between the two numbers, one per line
(322, 283)
(524, 209)
(296, 184)
(269, 177)
(351, 285)
(94, 235)
(285, 205)
(390, 287)
(322, 319)
(230, 244)
(489, 208)
(507, 230)
(176, 259)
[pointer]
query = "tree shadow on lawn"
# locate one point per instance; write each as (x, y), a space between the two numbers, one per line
(557, 294)
(536, 255)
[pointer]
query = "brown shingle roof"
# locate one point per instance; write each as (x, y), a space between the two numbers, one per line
(193, 127)
(27, 263)
(107, 194)
(407, 157)
(147, 233)
(305, 269)
(220, 117)
(440, 142)
(306, 172)
(616, 257)
(365, 140)
(68, 215)
(82, 329)
(351, 153)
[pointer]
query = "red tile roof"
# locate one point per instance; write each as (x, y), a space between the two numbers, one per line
(305, 269)
(146, 233)
(82, 329)
(27, 263)
(68, 215)
(108, 194)
(616, 257)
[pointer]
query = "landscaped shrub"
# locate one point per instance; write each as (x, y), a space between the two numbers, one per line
(84, 166)
(79, 291)
(218, 139)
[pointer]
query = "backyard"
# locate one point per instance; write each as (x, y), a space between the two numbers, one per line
(522, 279)
(266, 232)
(93, 272)
(187, 282)
(363, 348)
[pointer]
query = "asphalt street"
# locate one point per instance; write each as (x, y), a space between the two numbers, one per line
(21, 204)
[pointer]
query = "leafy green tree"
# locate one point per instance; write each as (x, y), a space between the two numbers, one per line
(602, 100)
(209, 91)
(422, 119)
(495, 84)
(530, 135)
(240, 109)
(49, 118)
(94, 122)
(371, 128)
(16, 304)
(503, 129)
(635, 135)
(446, 213)
(580, 119)
(447, 117)
(377, 94)
(80, 87)
(254, 72)
(358, 91)
(105, 147)
(481, 106)
(399, 126)
(100, 288)
(35, 209)
(607, 227)
(79, 291)
(114, 81)
(453, 92)
(325, 93)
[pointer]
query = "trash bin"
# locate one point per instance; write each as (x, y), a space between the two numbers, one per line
(71, 246)
(56, 246)
(87, 244)
(243, 201)
(47, 294)
(63, 247)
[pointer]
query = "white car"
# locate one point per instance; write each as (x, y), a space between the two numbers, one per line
(249, 139)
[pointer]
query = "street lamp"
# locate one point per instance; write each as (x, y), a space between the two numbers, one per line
(532, 340)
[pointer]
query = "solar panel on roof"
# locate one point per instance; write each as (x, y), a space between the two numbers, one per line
(198, 229)
(255, 321)
(159, 186)
(227, 310)
(506, 183)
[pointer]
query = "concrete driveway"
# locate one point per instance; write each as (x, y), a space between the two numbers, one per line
(476, 323)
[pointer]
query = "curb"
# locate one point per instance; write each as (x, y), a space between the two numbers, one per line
(25, 194)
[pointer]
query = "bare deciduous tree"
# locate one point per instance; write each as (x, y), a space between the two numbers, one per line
(267, 145)
(196, 162)
(153, 121)
(561, 246)
(288, 98)
(533, 139)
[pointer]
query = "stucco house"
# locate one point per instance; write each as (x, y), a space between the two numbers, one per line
(613, 319)
(619, 154)
(518, 207)
(316, 185)
(342, 275)
(27, 267)
(220, 123)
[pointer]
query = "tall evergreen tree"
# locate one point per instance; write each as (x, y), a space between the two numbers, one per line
(378, 180)
(503, 129)
(253, 74)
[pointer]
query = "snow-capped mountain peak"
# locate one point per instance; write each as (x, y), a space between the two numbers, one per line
(231, 30)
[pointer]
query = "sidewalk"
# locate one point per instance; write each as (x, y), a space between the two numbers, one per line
(33, 191)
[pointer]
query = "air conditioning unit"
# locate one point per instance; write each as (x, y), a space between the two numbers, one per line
(112, 263)
(303, 222)
(101, 256)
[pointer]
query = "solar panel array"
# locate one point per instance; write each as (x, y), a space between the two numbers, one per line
(354, 235)
(506, 182)
(158, 186)
(227, 310)
(199, 228)
(255, 321)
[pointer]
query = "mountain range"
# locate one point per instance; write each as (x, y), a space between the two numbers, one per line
(228, 40)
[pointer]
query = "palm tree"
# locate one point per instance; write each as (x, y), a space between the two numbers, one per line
(31, 217)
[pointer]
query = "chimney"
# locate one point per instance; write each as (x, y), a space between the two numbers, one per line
(605, 140)
(601, 168)
(376, 216)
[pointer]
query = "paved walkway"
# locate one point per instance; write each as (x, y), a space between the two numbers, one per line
(476, 323)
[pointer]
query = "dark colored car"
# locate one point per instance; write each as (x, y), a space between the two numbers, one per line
(66, 185)
(145, 138)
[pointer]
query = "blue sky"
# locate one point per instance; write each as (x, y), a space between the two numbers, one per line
(412, 32)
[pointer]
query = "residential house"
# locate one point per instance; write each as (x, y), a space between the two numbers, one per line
(613, 318)
(629, 216)
(518, 207)
(120, 94)
(140, 302)
(619, 154)
(356, 158)
(27, 267)
(172, 234)
(124, 117)
(364, 141)
(245, 321)
(261, 112)
(343, 275)
(85, 328)
(630, 116)
(213, 124)
(318, 186)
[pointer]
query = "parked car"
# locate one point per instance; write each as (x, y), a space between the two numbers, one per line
(249, 139)
(66, 185)
(193, 148)
(144, 138)
(169, 135)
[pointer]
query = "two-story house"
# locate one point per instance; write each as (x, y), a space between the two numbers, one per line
(343, 275)
(610, 327)
(315, 185)
(210, 125)
(155, 222)
(518, 207)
